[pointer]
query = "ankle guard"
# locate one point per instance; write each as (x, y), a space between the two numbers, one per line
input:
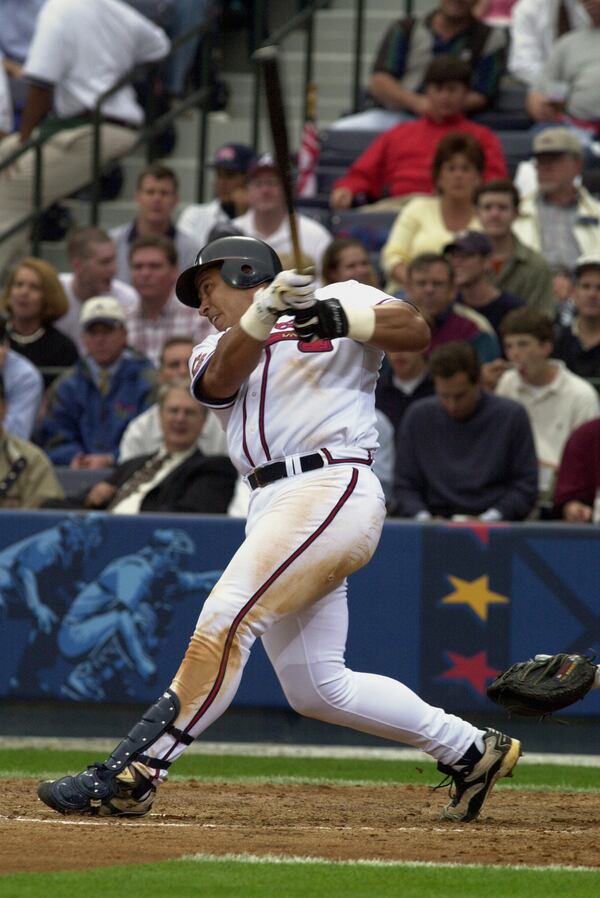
(158, 719)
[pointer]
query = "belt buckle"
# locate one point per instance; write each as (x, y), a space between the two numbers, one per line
(258, 484)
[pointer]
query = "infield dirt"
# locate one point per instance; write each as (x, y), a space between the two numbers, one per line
(333, 822)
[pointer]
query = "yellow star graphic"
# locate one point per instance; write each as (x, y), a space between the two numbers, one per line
(475, 593)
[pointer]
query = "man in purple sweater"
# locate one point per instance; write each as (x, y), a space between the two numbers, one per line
(464, 452)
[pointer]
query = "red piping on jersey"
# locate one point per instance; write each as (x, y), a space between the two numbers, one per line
(244, 420)
(254, 599)
(261, 406)
(347, 461)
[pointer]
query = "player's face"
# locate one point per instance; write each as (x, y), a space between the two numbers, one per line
(458, 178)
(26, 296)
(104, 342)
(174, 362)
(446, 100)
(265, 193)
(587, 293)
(152, 274)
(431, 288)
(457, 9)
(181, 420)
(527, 354)
(228, 183)
(468, 268)
(496, 213)
(222, 304)
(96, 271)
(353, 263)
(458, 395)
(156, 199)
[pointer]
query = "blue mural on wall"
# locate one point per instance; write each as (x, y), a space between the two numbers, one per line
(101, 608)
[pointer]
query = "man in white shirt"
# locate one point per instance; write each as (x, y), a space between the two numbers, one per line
(557, 401)
(79, 50)
(93, 259)
(267, 216)
(156, 197)
(158, 315)
(534, 29)
(231, 164)
(23, 388)
(144, 433)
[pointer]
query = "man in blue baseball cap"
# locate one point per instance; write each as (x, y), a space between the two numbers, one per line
(231, 164)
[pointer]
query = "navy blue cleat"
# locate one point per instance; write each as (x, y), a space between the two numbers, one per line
(98, 792)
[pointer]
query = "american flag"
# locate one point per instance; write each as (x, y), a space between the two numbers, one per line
(306, 184)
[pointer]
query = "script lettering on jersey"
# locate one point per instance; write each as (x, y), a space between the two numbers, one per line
(285, 331)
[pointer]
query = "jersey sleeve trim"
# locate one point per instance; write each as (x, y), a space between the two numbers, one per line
(197, 393)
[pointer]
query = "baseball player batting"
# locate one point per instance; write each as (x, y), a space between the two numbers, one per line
(292, 375)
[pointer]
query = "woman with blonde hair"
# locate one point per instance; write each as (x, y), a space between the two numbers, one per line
(427, 223)
(34, 299)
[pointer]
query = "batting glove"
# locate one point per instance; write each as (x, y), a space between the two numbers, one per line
(288, 292)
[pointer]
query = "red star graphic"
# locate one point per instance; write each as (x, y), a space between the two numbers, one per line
(474, 670)
(479, 529)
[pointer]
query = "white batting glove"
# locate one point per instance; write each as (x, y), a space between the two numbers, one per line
(288, 292)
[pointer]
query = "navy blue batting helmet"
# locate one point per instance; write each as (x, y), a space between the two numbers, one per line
(244, 262)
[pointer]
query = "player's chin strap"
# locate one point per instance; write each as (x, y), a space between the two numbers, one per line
(157, 720)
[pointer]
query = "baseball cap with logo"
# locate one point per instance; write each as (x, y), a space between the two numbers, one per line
(263, 163)
(556, 140)
(234, 157)
(105, 309)
(471, 243)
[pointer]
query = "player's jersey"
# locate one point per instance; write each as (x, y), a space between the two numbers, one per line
(301, 397)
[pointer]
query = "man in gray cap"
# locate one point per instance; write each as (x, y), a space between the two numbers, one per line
(560, 219)
(231, 164)
(92, 404)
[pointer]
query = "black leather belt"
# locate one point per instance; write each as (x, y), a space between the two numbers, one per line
(277, 470)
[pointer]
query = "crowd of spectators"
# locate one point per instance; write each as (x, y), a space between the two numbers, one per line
(499, 419)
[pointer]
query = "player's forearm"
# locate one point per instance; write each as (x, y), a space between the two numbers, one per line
(234, 360)
(400, 327)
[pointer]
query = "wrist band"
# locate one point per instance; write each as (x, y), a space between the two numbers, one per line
(255, 326)
(361, 323)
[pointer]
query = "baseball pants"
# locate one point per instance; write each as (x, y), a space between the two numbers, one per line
(286, 584)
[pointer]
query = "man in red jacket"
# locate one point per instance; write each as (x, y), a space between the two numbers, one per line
(398, 162)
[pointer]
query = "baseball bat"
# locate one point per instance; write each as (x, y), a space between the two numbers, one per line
(268, 60)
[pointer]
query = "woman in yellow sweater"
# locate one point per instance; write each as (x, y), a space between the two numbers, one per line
(427, 223)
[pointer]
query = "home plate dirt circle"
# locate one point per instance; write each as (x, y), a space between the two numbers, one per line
(392, 823)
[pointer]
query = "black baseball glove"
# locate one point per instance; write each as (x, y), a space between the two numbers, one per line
(544, 684)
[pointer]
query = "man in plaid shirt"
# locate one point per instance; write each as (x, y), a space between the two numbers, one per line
(159, 315)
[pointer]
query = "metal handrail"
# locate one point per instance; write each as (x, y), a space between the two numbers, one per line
(199, 97)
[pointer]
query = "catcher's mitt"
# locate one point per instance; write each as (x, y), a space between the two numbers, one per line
(543, 684)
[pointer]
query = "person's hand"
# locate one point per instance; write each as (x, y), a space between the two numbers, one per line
(398, 272)
(341, 198)
(45, 618)
(421, 105)
(577, 512)
(491, 372)
(97, 461)
(289, 291)
(77, 462)
(100, 495)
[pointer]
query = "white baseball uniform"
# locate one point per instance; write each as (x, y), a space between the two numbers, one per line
(305, 534)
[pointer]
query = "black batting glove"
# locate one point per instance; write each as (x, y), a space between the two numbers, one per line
(326, 320)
